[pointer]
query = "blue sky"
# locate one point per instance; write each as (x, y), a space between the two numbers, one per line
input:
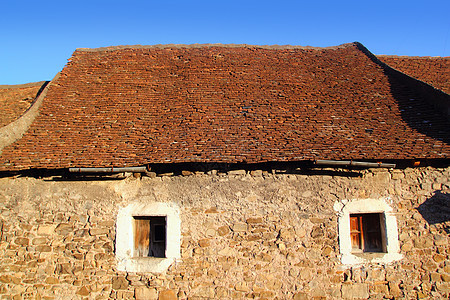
(37, 37)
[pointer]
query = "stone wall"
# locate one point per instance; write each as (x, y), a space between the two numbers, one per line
(244, 235)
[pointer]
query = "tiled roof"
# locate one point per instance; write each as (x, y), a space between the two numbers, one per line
(15, 100)
(433, 70)
(131, 106)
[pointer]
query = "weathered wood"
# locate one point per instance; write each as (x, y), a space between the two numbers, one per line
(141, 236)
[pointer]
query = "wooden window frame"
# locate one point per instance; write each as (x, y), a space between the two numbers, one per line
(368, 232)
(148, 241)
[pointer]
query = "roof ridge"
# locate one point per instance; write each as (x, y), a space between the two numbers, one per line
(406, 56)
(19, 86)
(166, 46)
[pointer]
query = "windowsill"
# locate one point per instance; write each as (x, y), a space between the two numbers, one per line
(147, 257)
(360, 251)
(145, 264)
(369, 257)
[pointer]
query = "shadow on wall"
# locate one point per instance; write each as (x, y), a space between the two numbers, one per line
(436, 209)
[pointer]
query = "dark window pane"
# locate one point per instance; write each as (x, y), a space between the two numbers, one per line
(160, 233)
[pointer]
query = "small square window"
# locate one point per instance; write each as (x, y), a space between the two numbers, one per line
(367, 232)
(149, 236)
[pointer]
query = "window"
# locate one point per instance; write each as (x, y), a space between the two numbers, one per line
(367, 231)
(147, 237)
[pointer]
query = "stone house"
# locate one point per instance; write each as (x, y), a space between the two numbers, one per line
(229, 171)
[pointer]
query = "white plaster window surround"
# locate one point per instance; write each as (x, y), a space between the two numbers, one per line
(390, 232)
(126, 261)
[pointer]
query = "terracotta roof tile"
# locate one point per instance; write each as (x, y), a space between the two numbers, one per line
(433, 70)
(15, 100)
(139, 105)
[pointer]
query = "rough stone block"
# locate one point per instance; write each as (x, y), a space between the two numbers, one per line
(205, 292)
(423, 242)
(267, 295)
(440, 240)
(125, 295)
(227, 251)
(223, 230)
(256, 173)
(211, 210)
(119, 283)
(239, 227)
(301, 296)
(398, 175)
(394, 289)
(237, 172)
(434, 277)
(98, 231)
(327, 250)
(64, 229)
(145, 293)
(317, 220)
(51, 280)
(253, 237)
(151, 174)
(307, 194)
(167, 295)
(443, 287)
(273, 284)
(438, 258)
(254, 220)
(107, 223)
(355, 291)
(22, 241)
(317, 232)
(83, 291)
(221, 292)
(445, 277)
(376, 275)
(379, 289)
(39, 241)
(242, 287)
(407, 247)
(204, 243)
(64, 268)
(43, 248)
(287, 234)
(429, 266)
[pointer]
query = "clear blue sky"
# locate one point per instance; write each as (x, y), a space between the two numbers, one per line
(37, 37)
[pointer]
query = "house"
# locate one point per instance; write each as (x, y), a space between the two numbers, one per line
(228, 171)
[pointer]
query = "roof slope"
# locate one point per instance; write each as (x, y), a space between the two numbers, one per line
(16, 99)
(433, 70)
(138, 105)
